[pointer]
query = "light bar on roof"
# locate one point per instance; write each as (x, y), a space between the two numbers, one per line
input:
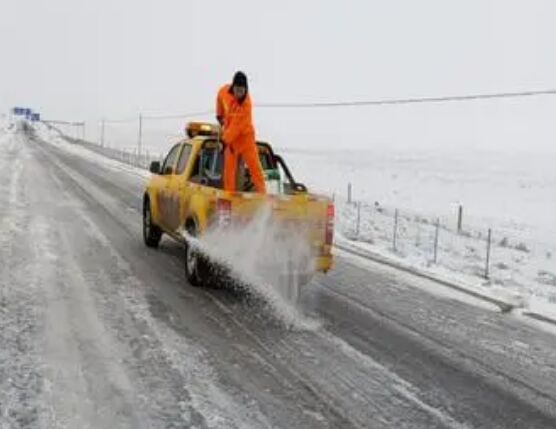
(194, 129)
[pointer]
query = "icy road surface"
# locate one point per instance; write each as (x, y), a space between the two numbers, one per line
(97, 331)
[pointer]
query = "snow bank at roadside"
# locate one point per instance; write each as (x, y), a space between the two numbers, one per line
(521, 275)
(54, 138)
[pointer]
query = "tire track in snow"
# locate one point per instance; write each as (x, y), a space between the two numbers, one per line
(181, 367)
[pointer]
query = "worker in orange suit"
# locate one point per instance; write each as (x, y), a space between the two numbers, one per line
(233, 111)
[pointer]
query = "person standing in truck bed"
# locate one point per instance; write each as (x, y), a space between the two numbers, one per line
(234, 113)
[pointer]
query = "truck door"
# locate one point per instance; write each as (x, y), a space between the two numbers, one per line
(177, 195)
(163, 196)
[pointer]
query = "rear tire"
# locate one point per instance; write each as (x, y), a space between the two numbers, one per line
(152, 234)
(197, 266)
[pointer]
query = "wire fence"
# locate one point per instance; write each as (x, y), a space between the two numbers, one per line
(492, 255)
(128, 156)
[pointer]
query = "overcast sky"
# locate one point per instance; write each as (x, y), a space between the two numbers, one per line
(88, 59)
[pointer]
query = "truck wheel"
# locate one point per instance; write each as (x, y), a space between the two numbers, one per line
(151, 233)
(197, 266)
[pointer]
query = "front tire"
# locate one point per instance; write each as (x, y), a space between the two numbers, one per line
(152, 234)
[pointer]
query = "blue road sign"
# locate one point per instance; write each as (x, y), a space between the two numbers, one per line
(35, 117)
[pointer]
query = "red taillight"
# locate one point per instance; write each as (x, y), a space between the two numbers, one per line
(329, 224)
(224, 212)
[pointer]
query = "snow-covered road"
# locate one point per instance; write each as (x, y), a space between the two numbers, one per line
(97, 331)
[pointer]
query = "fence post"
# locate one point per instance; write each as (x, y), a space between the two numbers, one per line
(358, 219)
(349, 193)
(437, 230)
(395, 237)
(460, 218)
(489, 241)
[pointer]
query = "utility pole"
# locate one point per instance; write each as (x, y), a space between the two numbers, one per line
(140, 138)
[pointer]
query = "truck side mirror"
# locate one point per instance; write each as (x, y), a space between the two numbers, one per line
(155, 167)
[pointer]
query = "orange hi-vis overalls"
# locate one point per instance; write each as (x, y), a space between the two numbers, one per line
(239, 137)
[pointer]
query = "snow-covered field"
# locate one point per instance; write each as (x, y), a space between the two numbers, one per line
(512, 194)
(502, 190)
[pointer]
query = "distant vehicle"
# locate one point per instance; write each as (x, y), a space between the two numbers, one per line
(185, 194)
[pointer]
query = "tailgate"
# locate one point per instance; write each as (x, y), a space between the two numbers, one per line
(305, 215)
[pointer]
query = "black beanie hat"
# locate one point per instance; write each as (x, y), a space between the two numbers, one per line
(240, 79)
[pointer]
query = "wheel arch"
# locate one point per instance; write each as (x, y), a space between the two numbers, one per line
(147, 197)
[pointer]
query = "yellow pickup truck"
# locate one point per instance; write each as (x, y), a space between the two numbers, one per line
(184, 198)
